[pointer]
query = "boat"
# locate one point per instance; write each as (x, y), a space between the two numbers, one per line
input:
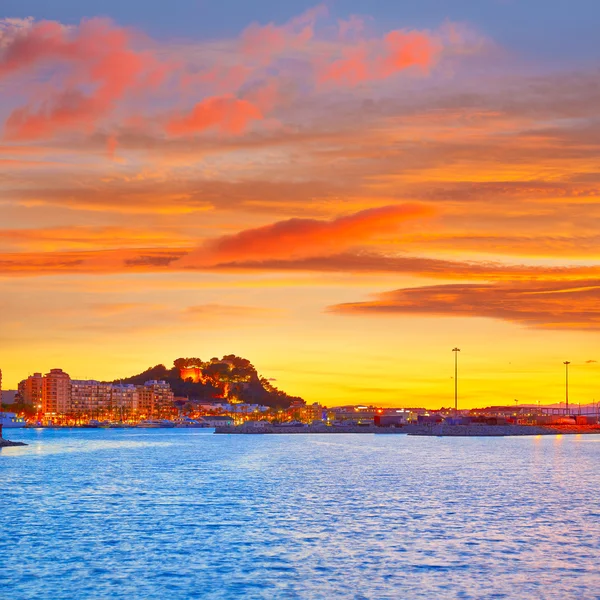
(11, 421)
(156, 424)
(98, 424)
(186, 422)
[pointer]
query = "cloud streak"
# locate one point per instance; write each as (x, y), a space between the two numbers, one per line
(305, 237)
(543, 305)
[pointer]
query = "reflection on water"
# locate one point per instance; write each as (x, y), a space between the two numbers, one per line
(70, 440)
(186, 514)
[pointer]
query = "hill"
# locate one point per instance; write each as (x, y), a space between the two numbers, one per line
(230, 378)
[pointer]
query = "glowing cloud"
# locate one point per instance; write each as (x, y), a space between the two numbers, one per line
(305, 237)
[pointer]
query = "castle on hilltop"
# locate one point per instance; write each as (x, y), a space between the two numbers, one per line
(194, 374)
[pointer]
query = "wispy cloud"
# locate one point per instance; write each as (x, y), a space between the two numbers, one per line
(547, 305)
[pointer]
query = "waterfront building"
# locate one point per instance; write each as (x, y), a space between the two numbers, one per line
(357, 414)
(56, 392)
(31, 389)
(155, 398)
(126, 398)
(90, 396)
(94, 397)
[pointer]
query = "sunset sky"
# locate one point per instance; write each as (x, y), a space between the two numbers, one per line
(341, 193)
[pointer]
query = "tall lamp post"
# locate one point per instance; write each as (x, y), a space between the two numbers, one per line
(456, 351)
(567, 363)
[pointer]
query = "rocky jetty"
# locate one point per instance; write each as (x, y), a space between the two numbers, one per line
(476, 430)
(7, 443)
(436, 430)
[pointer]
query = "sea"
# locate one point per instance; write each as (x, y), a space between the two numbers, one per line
(183, 513)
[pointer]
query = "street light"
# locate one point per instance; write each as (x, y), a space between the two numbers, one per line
(456, 351)
(567, 363)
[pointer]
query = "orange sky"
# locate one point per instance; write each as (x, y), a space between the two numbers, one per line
(339, 202)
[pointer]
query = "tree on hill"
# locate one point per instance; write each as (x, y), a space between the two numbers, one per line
(182, 363)
(232, 375)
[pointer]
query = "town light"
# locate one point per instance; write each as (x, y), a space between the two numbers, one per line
(456, 351)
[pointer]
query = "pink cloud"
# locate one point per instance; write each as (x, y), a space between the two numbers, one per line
(102, 68)
(225, 113)
(99, 69)
(25, 46)
(264, 42)
(371, 60)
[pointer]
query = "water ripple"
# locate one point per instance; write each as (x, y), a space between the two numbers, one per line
(185, 514)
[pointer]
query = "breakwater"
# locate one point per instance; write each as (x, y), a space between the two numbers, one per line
(437, 430)
(444, 430)
(7, 443)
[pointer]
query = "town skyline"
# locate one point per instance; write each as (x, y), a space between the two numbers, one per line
(400, 402)
(341, 192)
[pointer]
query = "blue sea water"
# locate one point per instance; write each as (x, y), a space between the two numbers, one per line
(177, 514)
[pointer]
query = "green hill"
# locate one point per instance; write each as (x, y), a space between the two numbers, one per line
(230, 378)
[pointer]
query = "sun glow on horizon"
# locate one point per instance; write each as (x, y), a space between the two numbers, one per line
(341, 200)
